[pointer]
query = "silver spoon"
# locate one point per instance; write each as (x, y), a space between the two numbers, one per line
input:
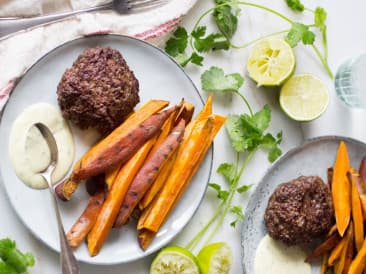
(69, 264)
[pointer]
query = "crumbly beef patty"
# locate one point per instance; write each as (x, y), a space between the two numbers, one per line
(99, 90)
(299, 211)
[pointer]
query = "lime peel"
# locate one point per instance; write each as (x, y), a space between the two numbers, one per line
(304, 97)
(175, 259)
(215, 258)
(271, 62)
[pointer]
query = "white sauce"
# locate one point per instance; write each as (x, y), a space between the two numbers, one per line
(28, 151)
(275, 257)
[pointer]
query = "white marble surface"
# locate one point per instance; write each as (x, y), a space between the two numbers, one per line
(347, 37)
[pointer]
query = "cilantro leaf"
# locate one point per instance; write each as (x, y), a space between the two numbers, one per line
(320, 16)
(308, 37)
(215, 80)
(300, 32)
(243, 188)
(295, 5)
(196, 59)
(262, 118)
(221, 194)
(177, 44)
(183, 59)
(225, 19)
(213, 41)
(274, 154)
(237, 210)
(228, 171)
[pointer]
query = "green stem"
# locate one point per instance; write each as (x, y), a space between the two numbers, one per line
(263, 8)
(230, 197)
(245, 101)
(325, 43)
(324, 61)
(195, 240)
(258, 39)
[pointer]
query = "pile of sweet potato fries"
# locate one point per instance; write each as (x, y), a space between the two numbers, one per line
(344, 248)
(147, 162)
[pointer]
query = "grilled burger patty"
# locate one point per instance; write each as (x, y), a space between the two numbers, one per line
(99, 90)
(299, 211)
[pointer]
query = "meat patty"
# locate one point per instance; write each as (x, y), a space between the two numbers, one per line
(299, 211)
(99, 90)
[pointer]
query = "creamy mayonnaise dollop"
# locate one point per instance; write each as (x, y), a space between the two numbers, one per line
(28, 151)
(275, 257)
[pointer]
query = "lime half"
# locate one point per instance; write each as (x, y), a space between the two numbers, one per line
(175, 259)
(304, 97)
(271, 62)
(215, 258)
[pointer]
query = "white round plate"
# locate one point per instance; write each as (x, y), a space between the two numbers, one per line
(160, 78)
(312, 158)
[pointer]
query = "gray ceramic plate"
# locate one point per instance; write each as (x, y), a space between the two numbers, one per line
(311, 158)
(160, 78)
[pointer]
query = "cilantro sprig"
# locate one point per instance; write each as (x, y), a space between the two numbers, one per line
(247, 133)
(226, 13)
(13, 261)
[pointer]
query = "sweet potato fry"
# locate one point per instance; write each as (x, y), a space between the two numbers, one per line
(86, 221)
(185, 113)
(336, 252)
(324, 264)
(111, 175)
(358, 265)
(187, 157)
(330, 177)
(154, 216)
(158, 183)
(324, 247)
(332, 230)
(341, 189)
(148, 173)
(115, 149)
(362, 169)
(113, 202)
(145, 237)
(347, 252)
(357, 216)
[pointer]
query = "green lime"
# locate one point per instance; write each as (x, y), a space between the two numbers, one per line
(304, 97)
(215, 258)
(175, 260)
(271, 62)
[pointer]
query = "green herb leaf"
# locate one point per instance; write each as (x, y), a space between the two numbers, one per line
(228, 171)
(262, 118)
(238, 211)
(274, 154)
(300, 32)
(211, 42)
(243, 188)
(308, 38)
(225, 19)
(221, 194)
(13, 257)
(295, 5)
(7, 269)
(196, 59)
(215, 80)
(183, 59)
(177, 44)
(320, 16)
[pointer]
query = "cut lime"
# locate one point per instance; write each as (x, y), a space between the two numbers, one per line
(215, 258)
(304, 97)
(175, 260)
(271, 62)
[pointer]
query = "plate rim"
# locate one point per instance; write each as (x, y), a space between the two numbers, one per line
(137, 40)
(284, 157)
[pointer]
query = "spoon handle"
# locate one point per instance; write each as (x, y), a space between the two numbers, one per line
(69, 264)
